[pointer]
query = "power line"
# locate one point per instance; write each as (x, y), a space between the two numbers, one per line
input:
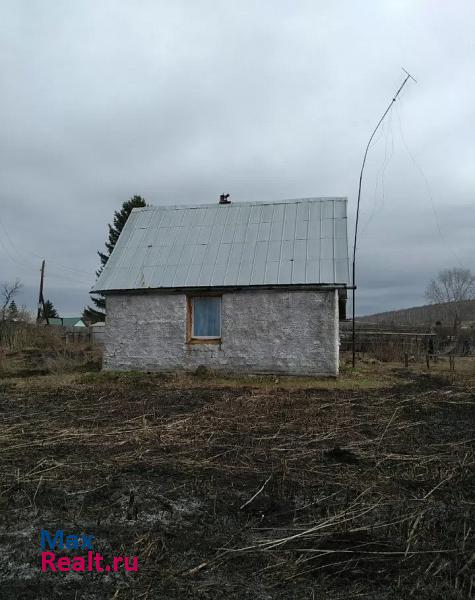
(19, 260)
(23, 262)
(30, 268)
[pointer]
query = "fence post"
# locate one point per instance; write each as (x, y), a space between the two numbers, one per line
(428, 361)
(406, 359)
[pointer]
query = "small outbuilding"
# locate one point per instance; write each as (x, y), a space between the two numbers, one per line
(97, 332)
(239, 287)
(68, 322)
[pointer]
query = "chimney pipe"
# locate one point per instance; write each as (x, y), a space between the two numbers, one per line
(223, 199)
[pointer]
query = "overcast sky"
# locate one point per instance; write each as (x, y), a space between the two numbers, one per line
(179, 101)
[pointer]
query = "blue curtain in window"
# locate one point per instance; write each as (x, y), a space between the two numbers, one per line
(206, 317)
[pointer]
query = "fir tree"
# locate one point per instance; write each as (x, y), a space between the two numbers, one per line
(91, 314)
(49, 311)
(12, 310)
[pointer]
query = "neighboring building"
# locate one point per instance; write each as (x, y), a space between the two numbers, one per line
(69, 322)
(97, 332)
(241, 287)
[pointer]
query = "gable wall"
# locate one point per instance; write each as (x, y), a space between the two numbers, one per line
(263, 331)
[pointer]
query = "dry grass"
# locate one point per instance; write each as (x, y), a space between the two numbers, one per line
(28, 351)
(18, 336)
(360, 487)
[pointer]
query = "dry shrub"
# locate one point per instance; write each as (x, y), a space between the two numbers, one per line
(27, 349)
(19, 336)
(72, 358)
(393, 349)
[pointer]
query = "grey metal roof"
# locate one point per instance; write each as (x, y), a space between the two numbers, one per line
(240, 244)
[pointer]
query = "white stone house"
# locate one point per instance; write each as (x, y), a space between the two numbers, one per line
(237, 287)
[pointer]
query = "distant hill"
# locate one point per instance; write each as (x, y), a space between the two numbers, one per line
(422, 315)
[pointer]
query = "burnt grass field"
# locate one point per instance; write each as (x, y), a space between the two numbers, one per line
(257, 488)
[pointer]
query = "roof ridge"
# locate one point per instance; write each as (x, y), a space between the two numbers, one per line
(242, 203)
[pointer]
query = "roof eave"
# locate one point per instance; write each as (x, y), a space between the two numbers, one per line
(226, 288)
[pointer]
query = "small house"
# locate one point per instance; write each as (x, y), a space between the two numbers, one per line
(253, 287)
(68, 322)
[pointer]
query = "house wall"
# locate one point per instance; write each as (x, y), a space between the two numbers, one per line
(263, 331)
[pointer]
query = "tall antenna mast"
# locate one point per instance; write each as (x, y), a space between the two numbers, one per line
(353, 335)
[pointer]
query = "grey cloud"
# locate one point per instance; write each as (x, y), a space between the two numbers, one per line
(182, 101)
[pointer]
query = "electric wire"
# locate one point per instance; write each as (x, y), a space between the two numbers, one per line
(3, 242)
(25, 263)
(428, 191)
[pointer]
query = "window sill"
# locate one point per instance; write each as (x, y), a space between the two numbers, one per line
(199, 341)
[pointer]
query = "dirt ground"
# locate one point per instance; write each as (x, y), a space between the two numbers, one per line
(251, 488)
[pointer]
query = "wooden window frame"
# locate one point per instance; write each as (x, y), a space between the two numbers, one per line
(189, 321)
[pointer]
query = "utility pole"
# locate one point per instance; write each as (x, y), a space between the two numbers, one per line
(353, 333)
(41, 300)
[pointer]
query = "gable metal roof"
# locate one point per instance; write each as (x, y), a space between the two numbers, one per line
(240, 244)
(67, 321)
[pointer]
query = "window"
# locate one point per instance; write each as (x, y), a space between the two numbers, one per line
(204, 319)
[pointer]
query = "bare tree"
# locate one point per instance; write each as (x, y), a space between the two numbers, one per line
(451, 288)
(8, 291)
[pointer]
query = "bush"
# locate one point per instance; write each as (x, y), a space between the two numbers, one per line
(28, 349)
